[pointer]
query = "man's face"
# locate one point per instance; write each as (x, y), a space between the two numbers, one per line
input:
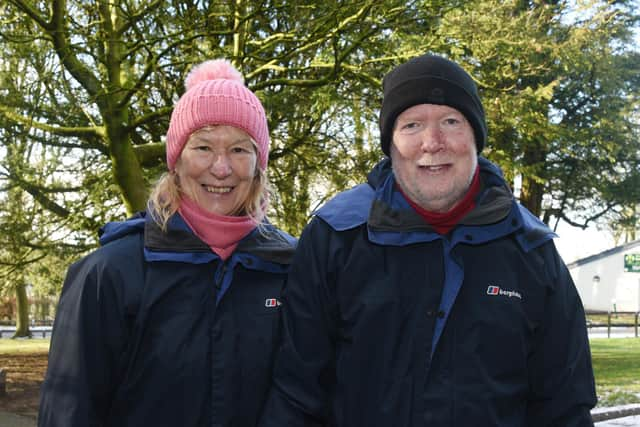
(433, 153)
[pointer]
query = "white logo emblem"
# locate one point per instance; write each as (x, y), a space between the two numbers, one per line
(271, 302)
(495, 290)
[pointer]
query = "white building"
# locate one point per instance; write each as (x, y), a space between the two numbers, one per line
(610, 280)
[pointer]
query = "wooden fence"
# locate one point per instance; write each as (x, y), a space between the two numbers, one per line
(614, 319)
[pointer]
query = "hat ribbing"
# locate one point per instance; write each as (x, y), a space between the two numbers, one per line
(430, 79)
(216, 95)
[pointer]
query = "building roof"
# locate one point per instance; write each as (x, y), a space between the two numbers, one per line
(604, 254)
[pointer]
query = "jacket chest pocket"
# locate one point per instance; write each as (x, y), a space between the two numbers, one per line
(493, 334)
(255, 310)
(256, 305)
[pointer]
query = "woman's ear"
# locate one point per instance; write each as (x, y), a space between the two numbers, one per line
(176, 177)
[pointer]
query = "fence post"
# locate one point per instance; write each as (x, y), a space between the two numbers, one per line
(636, 322)
(609, 324)
(3, 382)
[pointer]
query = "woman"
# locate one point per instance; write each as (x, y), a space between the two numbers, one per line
(172, 321)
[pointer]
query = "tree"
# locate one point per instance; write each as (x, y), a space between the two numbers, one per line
(560, 99)
(120, 60)
(89, 87)
(36, 245)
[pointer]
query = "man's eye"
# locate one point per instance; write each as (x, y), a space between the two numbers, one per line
(202, 148)
(451, 121)
(410, 125)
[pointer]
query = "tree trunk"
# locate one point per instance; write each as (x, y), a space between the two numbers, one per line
(533, 189)
(531, 196)
(22, 312)
(128, 176)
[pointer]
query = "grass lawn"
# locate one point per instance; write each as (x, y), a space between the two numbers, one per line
(12, 346)
(616, 364)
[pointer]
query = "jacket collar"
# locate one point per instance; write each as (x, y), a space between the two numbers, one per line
(266, 242)
(179, 243)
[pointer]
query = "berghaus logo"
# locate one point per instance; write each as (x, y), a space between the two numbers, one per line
(496, 290)
(271, 302)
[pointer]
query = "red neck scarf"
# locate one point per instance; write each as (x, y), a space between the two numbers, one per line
(444, 222)
(222, 233)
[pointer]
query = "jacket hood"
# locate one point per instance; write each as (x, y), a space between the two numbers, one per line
(490, 168)
(379, 173)
(117, 229)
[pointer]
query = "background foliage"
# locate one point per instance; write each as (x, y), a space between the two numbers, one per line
(87, 87)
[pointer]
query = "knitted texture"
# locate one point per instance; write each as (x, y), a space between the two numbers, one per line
(216, 95)
(430, 79)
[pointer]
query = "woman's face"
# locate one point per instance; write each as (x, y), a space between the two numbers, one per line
(216, 169)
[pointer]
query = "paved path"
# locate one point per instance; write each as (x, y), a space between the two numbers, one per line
(11, 420)
(616, 332)
(618, 416)
(633, 421)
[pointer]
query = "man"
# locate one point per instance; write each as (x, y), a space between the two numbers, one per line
(428, 296)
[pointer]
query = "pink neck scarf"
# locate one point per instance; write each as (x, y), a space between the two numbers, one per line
(222, 233)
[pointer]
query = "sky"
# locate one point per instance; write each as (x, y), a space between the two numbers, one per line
(574, 243)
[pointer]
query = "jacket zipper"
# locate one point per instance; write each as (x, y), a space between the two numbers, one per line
(222, 271)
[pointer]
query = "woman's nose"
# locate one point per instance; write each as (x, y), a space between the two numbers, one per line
(220, 166)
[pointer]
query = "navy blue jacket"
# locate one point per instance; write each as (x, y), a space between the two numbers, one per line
(388, 324)
(153, 329)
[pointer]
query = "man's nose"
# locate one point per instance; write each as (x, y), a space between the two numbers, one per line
(432, 139)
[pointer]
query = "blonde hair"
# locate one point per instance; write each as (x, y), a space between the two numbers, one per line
(165, 197)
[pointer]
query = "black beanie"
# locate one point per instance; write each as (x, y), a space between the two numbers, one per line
(430, 79)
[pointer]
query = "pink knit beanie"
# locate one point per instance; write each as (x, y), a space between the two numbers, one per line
(216, 95)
